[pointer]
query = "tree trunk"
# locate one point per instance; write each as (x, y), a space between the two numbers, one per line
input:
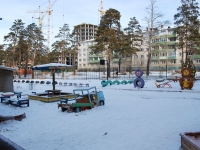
(19, 65)
(63, 71)
(182, 59)
(131, 62)
(26, 61)
(74, 65)
(148, 64)
(108, 67)
(119, 65)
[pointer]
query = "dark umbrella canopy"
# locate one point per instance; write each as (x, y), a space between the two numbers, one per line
(52, 66)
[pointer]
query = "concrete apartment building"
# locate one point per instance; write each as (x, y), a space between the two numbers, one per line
(83, 32)
(164, 55)
(83, 54)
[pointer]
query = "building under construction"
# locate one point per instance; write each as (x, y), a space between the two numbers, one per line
(85, 31)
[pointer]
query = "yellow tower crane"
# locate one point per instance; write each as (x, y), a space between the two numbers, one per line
(101, 9)
(42, 14)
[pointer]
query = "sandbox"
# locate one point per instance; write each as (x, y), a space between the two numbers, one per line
(190, 141)
(45, 97)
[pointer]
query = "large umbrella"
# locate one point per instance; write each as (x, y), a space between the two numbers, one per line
(53, 67)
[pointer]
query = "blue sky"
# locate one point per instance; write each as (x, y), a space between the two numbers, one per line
(74, 12)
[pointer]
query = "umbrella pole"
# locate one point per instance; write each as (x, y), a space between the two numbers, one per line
(53, 80)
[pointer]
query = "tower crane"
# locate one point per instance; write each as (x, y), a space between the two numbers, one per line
(101, 9)
(42, 14)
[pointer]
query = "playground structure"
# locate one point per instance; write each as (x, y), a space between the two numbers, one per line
(139, 82)
(162, 85)
(167, 83)
(87, 98)
(109, 82)
(188, 74)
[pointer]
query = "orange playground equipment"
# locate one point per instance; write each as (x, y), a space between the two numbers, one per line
(163, 85)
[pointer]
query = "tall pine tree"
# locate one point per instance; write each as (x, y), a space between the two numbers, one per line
(108, 35)
(187, 27)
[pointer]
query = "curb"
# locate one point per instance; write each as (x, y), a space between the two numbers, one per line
(7, 144)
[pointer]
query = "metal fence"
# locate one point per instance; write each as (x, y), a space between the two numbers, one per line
(98, 73)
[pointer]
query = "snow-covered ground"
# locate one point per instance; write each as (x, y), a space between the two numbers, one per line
(149, 118)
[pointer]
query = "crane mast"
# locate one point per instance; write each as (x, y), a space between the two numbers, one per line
(42, 14)
(101, 10)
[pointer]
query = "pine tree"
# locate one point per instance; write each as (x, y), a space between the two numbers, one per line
(2, 54)
(62, 45)
(13, 37)
(187, 27)
(108, 35)
(134, 37)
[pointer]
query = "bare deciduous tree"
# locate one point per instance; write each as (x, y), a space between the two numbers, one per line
(153, 22)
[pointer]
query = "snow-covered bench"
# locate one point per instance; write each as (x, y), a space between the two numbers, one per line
(19, 102)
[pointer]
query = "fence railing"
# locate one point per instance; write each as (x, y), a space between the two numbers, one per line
(98, 73)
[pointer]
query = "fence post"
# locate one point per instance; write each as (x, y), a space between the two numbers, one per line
(113, 72)
(99, 72)
(86, 74)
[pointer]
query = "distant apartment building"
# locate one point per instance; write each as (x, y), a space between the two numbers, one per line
(83, 32)
(164, 54)
(68, 58)
(85, 58)
(163, 51)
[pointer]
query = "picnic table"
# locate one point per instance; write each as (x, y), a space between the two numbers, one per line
(53, 92)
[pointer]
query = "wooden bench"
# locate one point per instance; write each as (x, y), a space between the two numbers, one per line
(65, 100)
(5, 99)
(65, 84)
(20, 102)
(81, 84)
(18, 94)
